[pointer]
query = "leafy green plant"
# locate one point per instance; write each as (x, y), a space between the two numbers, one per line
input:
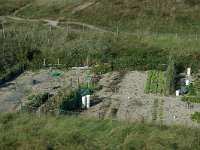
(35, 101)
(196, 117)
(113, 112)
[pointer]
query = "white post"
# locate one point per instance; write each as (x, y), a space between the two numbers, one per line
(187, 82)
(177, 92)
(88, 101)
(83, 102)
(188, 71)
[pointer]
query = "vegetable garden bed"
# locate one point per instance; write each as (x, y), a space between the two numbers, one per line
(155, 82)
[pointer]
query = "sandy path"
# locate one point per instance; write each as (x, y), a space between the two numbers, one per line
(22, 8)
(81, 7)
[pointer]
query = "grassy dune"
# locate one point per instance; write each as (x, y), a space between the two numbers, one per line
(10, 6)
(154, 15)
(26, 131)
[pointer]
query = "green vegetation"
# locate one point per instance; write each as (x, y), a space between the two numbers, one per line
(161, 111)
(10, 6)
(32, 40)
(196, 117)
(170, 76)
(154, 110)
(192, 99)
(24, 131)
(35, 101)
(155, 82)
(113, 112)
(165, 16)
(50, 8)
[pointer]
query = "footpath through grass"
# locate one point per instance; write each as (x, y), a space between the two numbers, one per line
(25, 131)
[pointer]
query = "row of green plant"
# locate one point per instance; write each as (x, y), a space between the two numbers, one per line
(155, 82)
(196, 117)
(170, 76)
(154, 110)
(192, 99)
(161, 111)
(35, 101)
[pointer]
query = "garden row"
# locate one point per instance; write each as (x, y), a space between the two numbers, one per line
(192, 99)
(155, 82)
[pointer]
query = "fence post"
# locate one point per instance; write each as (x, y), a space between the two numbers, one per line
(3, 32)
(78, 82)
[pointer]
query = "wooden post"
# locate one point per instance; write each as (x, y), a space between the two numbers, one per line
(71, 82)
(44, 63)
(50, 28)
(176, 35)
(196, 36)
(117, 31)
(87, 62)
(3, 31)
(58, 61)
(78, 82)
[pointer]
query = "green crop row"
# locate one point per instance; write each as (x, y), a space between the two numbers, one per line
(161, 111)
(196, 117)
(154, 111)
(155, 82)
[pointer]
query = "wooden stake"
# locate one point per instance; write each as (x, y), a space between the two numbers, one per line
(78, 82)
(50, 29)
(3, 31)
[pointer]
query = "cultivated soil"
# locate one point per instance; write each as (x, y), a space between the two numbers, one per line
(133, 104)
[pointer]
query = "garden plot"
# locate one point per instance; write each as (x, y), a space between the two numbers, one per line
(30, 83)
(133, 104)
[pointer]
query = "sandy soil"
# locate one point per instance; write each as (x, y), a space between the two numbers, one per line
(133, 104)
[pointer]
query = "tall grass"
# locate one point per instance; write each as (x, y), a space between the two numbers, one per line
(28, 131)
